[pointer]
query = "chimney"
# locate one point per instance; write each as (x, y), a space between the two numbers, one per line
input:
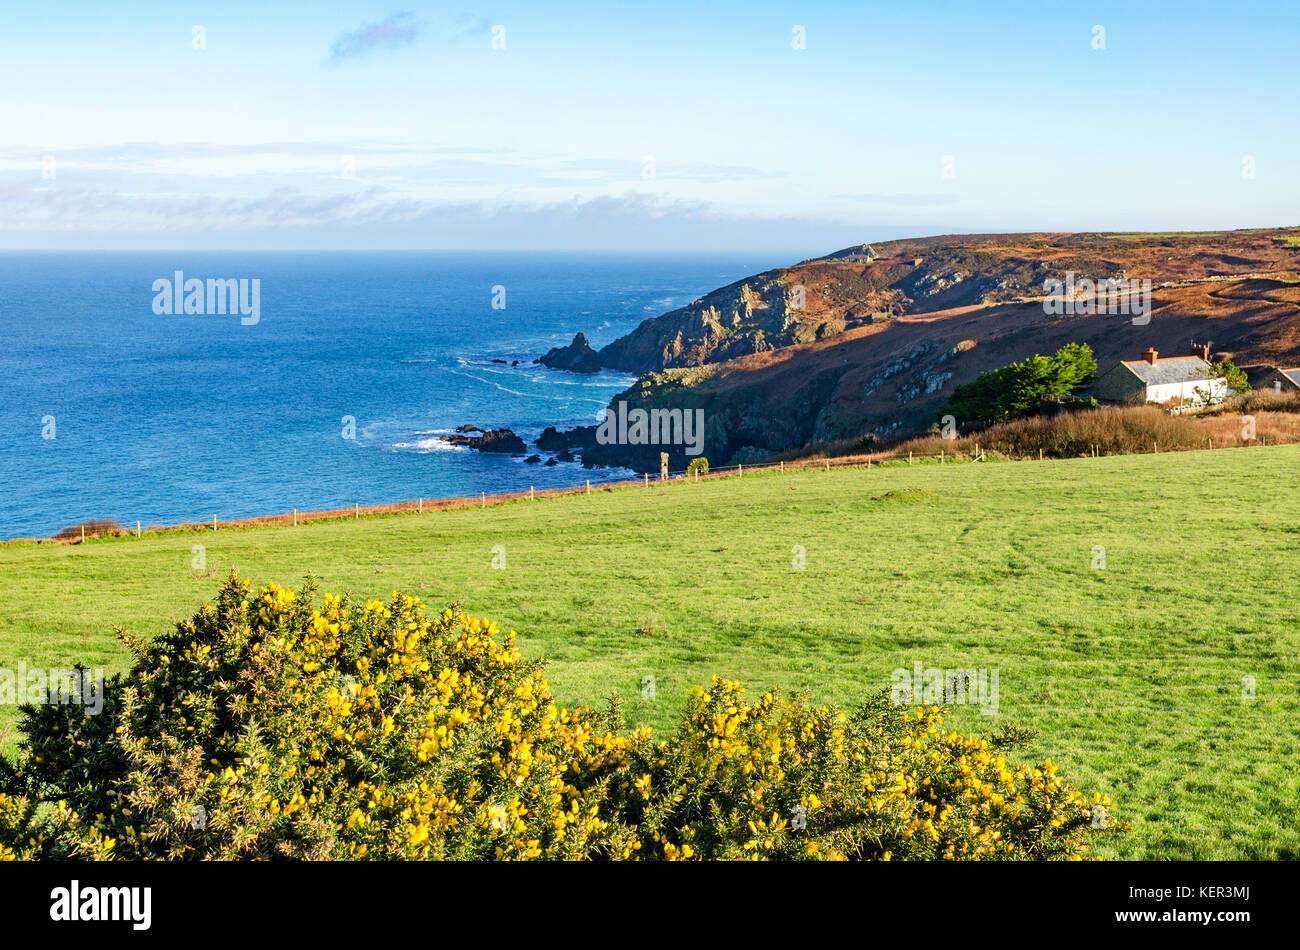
(1150, 355)
(1202, 350)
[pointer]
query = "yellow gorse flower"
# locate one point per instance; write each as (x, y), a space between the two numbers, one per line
(377, 731)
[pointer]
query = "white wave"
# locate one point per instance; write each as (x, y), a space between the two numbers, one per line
(428, 445)
(662, 304)
(504, 389)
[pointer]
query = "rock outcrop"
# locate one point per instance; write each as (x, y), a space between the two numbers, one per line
(553, 440)
(755, 315)
(491, 440)
(577, 357)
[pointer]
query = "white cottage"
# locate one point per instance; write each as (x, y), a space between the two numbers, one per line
(1175, 379)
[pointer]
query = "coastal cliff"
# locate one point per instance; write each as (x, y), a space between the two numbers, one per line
(866, 343)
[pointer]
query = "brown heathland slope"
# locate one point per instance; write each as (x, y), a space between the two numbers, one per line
(869, 285)
(889, 379)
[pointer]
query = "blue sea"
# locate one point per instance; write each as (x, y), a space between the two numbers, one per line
(110, 410)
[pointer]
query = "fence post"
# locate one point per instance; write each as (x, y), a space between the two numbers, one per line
(589, 486)
(647, 479)
(83, 532)
(356, 510)
(531, 496)
(740, 469)
(421, 506)
(295, 517)
(214, 522)
(483, 499)
(137, 529)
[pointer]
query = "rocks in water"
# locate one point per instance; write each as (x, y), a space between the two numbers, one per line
(501, 440)
(505, 441)
(577, 357)
(553, 440)
(595, 454)
(502, 362)
(491, 440)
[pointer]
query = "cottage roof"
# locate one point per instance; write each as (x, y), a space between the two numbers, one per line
(1292, 374)
(1173, 369)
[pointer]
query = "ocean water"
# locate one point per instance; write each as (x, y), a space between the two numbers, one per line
(109, 410)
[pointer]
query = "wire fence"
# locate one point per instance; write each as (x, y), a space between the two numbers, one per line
(483, 499)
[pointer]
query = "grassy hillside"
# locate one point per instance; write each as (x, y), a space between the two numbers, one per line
(1132, 673)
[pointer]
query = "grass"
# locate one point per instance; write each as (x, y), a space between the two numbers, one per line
(1132, 673)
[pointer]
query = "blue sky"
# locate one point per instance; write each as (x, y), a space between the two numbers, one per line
(657, 126)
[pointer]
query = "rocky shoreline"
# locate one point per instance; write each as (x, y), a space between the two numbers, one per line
(574, 445)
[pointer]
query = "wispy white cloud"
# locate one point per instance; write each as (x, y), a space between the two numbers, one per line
(398, 29)
(33, 206)
(898, 200)
(142, 166)
(316, 194)
(402, 29)
(668, 171)
(466, 27)
(38, 215)
(132, 152)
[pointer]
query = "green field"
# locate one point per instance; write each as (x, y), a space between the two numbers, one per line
(1133, 674)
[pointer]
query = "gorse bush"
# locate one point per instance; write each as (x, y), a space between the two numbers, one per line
(270, 727)
(1123, 431)
(1266, 400)
(91, 529)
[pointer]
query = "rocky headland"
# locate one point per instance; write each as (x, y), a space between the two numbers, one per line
(866, 343)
